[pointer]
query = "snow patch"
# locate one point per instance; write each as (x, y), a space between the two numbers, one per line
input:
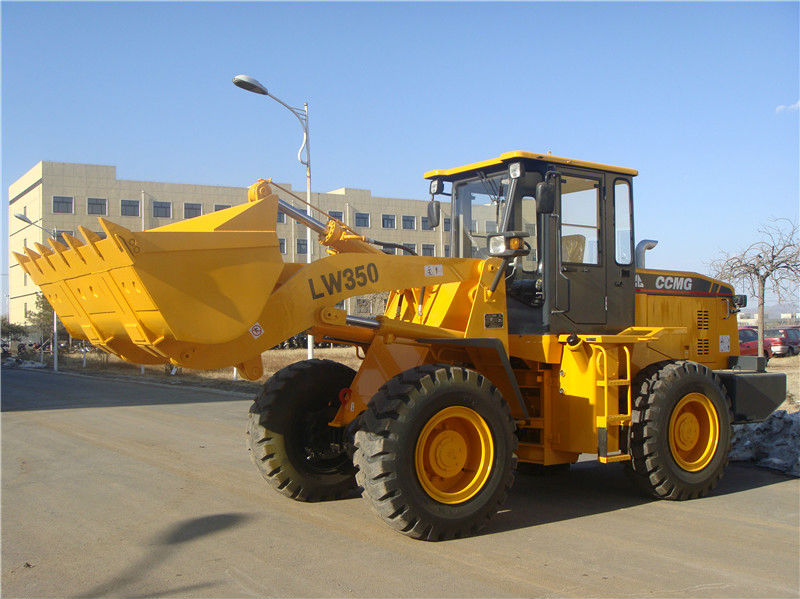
(773, 443)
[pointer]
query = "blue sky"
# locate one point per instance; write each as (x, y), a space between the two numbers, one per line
(690, 94)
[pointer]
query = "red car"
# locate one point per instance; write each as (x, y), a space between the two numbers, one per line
(748, 342)
(784, 341)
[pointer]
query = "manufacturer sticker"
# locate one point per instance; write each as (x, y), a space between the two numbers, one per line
(493, 320)
(256, 331)
(434, 270)
(724, 344)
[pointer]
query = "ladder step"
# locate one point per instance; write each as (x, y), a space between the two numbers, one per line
(620, 457)
(614, 383)
(618, 419)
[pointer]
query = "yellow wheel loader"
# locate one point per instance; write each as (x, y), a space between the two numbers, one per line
(536, 343)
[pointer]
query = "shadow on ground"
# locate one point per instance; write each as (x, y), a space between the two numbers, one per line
(590, 488)
(163, 546)
(28, 390)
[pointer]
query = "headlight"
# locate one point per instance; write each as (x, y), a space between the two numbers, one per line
(511, 243)
(497, 245)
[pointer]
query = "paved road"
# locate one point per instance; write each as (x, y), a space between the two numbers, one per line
(122, 489)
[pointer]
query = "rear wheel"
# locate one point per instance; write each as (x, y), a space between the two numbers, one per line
(435, 452)
(289, 438)
(681, 431)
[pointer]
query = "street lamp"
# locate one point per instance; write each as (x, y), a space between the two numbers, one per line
(28, 221)
(252, 85)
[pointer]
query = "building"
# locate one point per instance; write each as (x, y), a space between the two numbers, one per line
(60, 196)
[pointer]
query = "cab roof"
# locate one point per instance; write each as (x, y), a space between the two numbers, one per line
(510, 156)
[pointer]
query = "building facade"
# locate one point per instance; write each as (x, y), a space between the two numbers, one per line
(59, 197)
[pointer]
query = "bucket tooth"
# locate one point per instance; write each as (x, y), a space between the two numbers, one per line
(59, 248)
(43, 249)
(91, 239)
(22, 261)
(112, 231)
(57, 245)
(46, 252)
(89, 236)
(74, 243)
(32, 256)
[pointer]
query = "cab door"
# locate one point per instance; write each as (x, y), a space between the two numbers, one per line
(581, 258)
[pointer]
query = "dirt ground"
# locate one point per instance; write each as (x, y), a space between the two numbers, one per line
(791, 367)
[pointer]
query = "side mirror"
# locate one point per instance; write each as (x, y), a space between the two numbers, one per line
(740, 301)
(434, 213)
(546, 196)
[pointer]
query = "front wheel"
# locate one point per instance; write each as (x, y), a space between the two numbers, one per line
(681, 431)
(435, 452)
(289, 438)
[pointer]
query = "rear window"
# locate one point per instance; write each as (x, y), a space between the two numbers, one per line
(773, 333)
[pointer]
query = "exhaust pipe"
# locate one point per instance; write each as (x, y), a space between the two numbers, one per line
(641, 248)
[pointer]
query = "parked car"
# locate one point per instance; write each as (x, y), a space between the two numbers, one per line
(784, 341)
(748, 342)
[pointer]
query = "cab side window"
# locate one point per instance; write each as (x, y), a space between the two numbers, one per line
(580, 220)
(623, 240)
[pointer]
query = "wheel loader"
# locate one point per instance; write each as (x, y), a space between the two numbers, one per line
(534, 344)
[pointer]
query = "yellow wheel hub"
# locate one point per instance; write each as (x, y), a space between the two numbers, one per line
(454, 455)
(693, 432)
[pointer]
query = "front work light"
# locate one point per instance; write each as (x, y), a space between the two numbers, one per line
(508, 244)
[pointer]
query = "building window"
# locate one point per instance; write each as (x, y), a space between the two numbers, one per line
(62, 205)
(427, 249)
(302, 247)
(446, 224)
(411, 246)
(218, 207)
(96, 206)
(410, 222)
(281, 217)
(192, 210)
(446, 250)
(162, 209)
(24, 279)
(425, 223)
(389, 251)
(491, 226)
(101, 234)
(129, 208)
(25, 309)
(362, 219)
(337, 214)
(473, 226)
(282, 245)
(387, 221)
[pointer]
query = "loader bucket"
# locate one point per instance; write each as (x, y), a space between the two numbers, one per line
(149, 296)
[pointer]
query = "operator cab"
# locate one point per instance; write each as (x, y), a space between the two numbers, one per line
(564, 229)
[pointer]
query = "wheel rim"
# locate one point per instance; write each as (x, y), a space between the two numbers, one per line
(694, 432)
(454, 455)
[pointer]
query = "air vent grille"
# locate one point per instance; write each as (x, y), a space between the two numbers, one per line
(702, 347)
(702, 320)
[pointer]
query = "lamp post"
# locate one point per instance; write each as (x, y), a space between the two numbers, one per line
(28, 221)
(251, 85)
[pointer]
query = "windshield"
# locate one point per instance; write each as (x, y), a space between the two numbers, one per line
(478, 206)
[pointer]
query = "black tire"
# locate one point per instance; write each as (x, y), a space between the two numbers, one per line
(289, 438)
(386, 454)
(665, 463)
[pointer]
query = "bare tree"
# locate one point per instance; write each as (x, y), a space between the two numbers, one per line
(772, 263)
